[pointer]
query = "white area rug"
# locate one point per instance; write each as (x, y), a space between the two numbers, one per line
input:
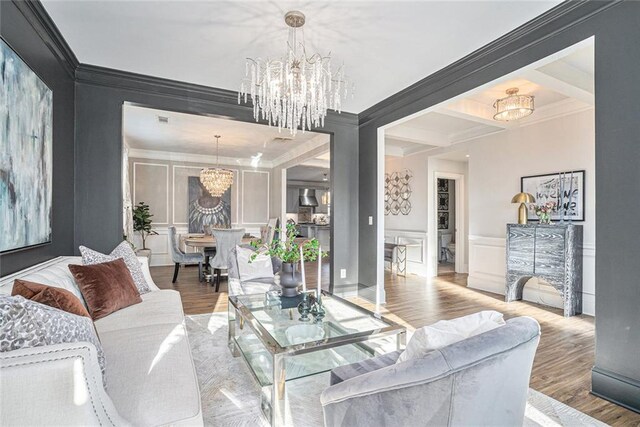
(231, 396)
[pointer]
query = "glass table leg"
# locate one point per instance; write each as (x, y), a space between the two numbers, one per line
(231, 338)
(401, 340)
(278, 391)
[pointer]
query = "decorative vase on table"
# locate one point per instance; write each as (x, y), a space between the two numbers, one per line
(289, 279)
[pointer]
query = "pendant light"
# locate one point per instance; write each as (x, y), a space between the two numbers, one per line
(216, 180)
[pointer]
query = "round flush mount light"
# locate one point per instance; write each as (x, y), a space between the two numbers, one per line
(513, 106)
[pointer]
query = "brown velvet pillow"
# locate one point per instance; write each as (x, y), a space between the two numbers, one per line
(106, 287)
(54, 297)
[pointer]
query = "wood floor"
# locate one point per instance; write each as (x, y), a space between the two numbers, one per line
(562, 367)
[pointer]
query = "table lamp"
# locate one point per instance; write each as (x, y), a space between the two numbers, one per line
(523, 199)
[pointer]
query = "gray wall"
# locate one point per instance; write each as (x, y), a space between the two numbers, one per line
(21, 29)
(616, 374)
(100, 94)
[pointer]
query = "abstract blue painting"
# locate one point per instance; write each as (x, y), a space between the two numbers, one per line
(26, 120)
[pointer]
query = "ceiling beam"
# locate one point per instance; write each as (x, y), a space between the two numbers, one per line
(393, 150)
(560, 86)
(416, 135)
(300, 153)
(317, 163)
(474, 111)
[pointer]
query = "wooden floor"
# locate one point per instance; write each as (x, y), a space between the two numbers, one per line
(562, 367)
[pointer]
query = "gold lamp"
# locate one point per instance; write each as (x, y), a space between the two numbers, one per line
(523, 199)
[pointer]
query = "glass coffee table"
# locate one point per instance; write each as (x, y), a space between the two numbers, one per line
(266, 331)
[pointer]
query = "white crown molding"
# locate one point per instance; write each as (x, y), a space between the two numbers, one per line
(194, 158)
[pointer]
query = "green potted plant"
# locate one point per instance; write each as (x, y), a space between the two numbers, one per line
(142, 225)
(288, 251)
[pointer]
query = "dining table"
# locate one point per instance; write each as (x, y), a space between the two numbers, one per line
(208, 245)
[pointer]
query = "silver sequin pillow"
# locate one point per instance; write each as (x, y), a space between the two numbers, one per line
(27, 324)
(124, 251)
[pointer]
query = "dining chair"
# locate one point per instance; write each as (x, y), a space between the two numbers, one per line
(178, 256)
(225, 241)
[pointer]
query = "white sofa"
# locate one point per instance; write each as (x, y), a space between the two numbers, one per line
(150, 375)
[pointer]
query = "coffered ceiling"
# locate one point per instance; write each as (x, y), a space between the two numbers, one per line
(385, 46)
(561, 84)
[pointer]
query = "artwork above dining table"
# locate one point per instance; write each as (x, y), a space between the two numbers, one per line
(565, 189)
(206, 210)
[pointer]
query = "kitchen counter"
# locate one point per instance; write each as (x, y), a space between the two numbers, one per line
(320, 232)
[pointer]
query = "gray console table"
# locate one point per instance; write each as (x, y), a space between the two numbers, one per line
(552, 253)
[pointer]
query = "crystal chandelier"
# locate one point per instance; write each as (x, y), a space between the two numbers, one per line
(216, 180)
(295, 90)
(514, 106)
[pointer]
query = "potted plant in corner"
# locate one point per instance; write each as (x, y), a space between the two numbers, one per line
(289, 252)
(142, 224)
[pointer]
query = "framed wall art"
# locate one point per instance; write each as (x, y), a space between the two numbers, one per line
(26, 154)
(565, 189)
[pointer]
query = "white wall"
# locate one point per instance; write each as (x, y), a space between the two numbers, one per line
(496, 164)
(420, 225)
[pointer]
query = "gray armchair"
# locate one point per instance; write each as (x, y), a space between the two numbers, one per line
(482, 381)
(225, 241)
(180, 257)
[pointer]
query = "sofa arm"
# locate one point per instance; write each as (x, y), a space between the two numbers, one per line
(58, 384)
(144, 265)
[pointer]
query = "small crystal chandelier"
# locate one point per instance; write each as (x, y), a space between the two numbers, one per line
(514, 106)
(216, 180)
(295, 90)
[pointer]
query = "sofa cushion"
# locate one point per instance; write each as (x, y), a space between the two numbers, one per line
(345, 372)
(447, 332)
(124, 251)
(151, 376)
(57, 275)
(27, 324)
(51, 296)
(156, 308)
(106, 287)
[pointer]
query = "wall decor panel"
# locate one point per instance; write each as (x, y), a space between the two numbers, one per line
(150, 182)
(255, 197)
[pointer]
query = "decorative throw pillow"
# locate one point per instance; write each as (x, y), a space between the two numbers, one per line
(27, 324)
(447, 332)
(106, 287)
(259, 268)
(124, 251)
(52, 296)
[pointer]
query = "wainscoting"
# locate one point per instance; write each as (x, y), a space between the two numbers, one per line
(487, 267)
(163, 185)
(416, 255)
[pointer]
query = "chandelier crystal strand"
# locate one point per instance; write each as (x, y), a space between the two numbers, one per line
(295, 91)
(216, 180)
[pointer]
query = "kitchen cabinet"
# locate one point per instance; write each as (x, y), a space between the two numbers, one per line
(322, 208)
(293, 199)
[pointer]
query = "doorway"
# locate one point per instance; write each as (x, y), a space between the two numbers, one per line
(448, 224)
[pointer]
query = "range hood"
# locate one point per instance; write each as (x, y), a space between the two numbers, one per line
(308, 198)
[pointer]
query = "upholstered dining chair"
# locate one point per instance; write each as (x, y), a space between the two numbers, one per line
(178, 256)
(225, 241)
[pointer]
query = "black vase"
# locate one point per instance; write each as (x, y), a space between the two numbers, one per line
(289, 279)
